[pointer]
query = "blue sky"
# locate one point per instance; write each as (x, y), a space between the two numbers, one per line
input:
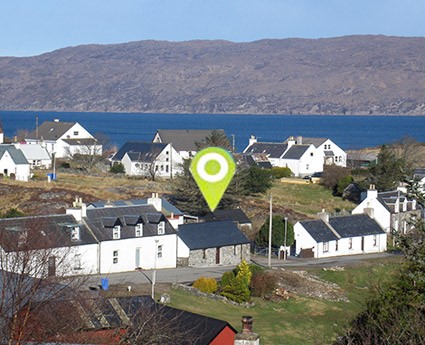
(29, 27)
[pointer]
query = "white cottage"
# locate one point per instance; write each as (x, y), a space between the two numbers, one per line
(336, 236)
(64, 139)
(393, 210)
(13, 163)
(36, 155)
(149, 159)
(130, 237)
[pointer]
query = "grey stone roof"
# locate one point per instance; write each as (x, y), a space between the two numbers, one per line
(51, 130)
(184, 139)
(45, 231)
(98, 313)
(313, 141)
(167, 207)
(346, 226)
(139, 151)
(82, 141)
(319, 230)
(16, 154)
(211, 235)
(355, 225)
(296, 151)
(236, 215)
(102, 220)
(272, 150)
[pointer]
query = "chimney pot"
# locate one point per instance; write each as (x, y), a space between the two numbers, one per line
(247, 324)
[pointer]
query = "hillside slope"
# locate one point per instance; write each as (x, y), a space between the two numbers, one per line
(344, 75)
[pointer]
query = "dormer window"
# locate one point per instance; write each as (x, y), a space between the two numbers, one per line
(116, 232)
(75, 233)
(139, 230)
(161, 228)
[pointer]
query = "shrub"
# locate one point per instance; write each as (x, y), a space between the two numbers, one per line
(65, 165)
(244, 272)
(117, 168)
(236, 290)
(207, 285)
(226, 278)
(262, 284)
(279, 172)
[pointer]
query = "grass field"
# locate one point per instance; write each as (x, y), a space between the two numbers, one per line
(300, 320)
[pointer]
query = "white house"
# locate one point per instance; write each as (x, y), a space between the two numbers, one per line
(183, 140)
(331, 153)
(129, 237)
(13, 163)
(53, 245)
(336, 236)
(393, 210)
(36, 155)
(212, 244)
(149, 159)
(64, 139)
(303, 160)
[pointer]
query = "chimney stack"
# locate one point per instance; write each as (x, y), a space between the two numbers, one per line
(324, 215)
(247, 336)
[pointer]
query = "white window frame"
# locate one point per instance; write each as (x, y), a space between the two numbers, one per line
(116, 232)
(159, 251)
(161, 228)
(75, 233)
(138, 231)
(77, 261)
(115, 257)
(325, 247)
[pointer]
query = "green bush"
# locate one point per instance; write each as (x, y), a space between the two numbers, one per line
(207, 285)
(117, 168)
(226, 278)
(236, 290)
(279, 172)
(262, 284)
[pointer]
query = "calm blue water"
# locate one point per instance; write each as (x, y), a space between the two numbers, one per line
(349, 132)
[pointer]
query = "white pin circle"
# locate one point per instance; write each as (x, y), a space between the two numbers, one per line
(224, 167)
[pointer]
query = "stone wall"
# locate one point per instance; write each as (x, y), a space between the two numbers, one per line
(229, 255)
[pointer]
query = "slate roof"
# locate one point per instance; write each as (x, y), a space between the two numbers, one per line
(184, 139)
(100, 314)
(51, 130)
(167, 207)
(102, 220)
(419, 173)
(80, 141)
(355, 225)
(313, 141)
(140, 151)
(272, 150)
(346, 226)
(16, 154)
(211, 235)
(236, 215)
(296, 151)
(34, 152)
(388, 199)
(318, 230)
(43, 231)
(259, 159)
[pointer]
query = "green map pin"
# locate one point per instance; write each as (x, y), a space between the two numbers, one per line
(213, 169)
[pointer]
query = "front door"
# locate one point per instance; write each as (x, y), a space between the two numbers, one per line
(217, 255)
(362, 244)
(138, 250)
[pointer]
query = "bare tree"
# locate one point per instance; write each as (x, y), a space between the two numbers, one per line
(29, 258)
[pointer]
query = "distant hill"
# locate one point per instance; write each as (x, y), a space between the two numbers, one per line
(343, 75)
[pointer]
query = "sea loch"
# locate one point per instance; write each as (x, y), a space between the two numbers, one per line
(349, 132)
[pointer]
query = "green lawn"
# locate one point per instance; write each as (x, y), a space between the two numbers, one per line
(308, 198)
(300, 320)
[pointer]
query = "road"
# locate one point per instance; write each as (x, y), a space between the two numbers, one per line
(185, 275)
